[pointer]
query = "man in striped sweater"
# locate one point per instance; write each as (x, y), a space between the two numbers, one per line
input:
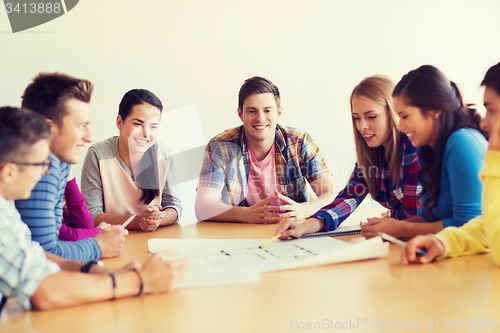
(64, 101)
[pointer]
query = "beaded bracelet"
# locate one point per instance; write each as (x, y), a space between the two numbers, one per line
(141, 290)
(114, 284)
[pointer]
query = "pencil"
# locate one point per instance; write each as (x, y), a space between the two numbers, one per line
(399, 242)
(126, 223)
(269, 241)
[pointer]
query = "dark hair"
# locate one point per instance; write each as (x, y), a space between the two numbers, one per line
(428, 89)
(49, 92)
(136, 97)
(147, 177)
(257, 85)
(19, 130)
(492, 78)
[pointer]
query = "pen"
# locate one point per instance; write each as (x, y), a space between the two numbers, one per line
(269, 241)
(399, 242)
(126, 223)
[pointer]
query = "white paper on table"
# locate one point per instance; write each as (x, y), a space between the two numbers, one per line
(369, 249)
(244, 254)
(207, 275)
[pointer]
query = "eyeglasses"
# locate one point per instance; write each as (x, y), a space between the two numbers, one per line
(45, 164)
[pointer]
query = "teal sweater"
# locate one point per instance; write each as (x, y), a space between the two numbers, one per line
(460, 197)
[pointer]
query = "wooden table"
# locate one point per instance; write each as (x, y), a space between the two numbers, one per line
(355, 297)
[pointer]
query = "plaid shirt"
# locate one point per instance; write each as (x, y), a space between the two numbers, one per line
(403, 201)
(225, 165)
(23, 264)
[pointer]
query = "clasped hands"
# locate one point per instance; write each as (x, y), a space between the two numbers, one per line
(262, 212)
(151, 218)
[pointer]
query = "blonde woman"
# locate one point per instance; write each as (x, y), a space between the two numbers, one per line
(386, 168)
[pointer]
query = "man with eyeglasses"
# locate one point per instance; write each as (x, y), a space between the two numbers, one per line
(43, 280)
(64, 102)
(45, 165)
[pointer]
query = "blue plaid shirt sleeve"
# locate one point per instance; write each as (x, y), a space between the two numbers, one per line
(23, 264)
(346, 201)
(212, 170)
(313, 164)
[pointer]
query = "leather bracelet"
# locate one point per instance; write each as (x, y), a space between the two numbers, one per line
(86, 268)
(141, 289)
(114, 284)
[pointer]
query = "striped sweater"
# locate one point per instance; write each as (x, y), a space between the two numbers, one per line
(42, 212)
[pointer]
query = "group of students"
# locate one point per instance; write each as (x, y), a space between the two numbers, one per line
(419, 152)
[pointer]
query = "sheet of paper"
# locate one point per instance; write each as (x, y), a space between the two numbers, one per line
(244, 254)
(208, 275)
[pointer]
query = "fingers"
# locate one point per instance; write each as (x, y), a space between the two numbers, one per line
(163, 273)
(267, 200)
(288, 228)
(369, 230)
(372, 227)
(286, 208)
(373, 220)
(432, 246)
(103, 225)
(268, 209)
(284, 198)
(153, 215)
(295, 232)
(288, 214)
(116, 229)
(149, 224)
(111, 240)
(154, 208)
(387, 213)
(282, 226)
(404, 256)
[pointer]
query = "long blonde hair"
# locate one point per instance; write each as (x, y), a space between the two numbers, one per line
(378, 89)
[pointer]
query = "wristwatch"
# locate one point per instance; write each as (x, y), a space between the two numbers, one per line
(86, 268)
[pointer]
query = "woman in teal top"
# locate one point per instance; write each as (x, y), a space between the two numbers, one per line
(451, 152)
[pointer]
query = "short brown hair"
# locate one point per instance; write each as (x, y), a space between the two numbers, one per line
(257, 85)
(48, 93)
(19, 130)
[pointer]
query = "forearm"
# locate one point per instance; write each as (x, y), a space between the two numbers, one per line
(416, 218)
(311, 225)
(326, 191)
(65, 264)
(169, 217)
(313, 206)
(210, 210)
(58, 290)
(412, 229)
(68, 233)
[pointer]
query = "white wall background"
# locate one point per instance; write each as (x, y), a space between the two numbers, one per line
(199, 52)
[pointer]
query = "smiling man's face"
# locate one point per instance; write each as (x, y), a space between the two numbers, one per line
(260, 116)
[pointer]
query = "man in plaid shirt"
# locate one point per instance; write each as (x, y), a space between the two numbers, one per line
(258, 172)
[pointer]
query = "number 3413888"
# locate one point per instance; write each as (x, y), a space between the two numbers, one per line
(473, 324)
(33, 8)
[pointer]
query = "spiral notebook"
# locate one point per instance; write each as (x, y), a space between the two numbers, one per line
(340, 231)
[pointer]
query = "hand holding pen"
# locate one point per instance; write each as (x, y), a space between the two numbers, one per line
(432, 247)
